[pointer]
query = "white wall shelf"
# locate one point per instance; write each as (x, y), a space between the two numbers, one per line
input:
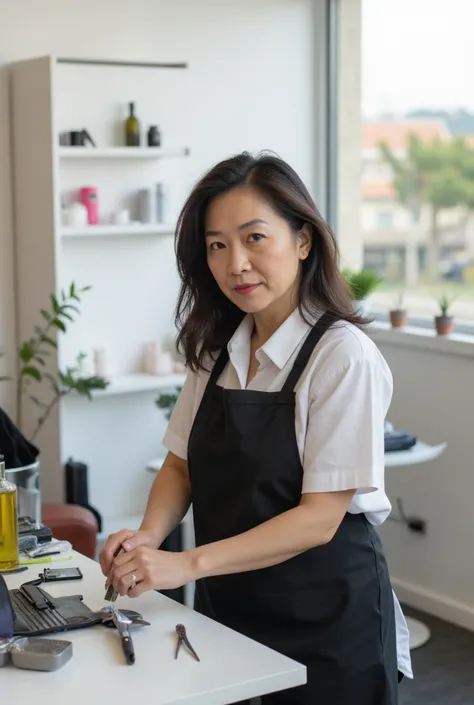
(121, 152)
(118, 230)
(135, 383)
(129, 270)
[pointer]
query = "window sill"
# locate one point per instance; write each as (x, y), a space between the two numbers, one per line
(418, 338)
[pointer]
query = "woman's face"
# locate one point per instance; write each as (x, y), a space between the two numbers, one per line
(252, 253)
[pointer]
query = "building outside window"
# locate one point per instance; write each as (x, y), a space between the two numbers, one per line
(417, 152)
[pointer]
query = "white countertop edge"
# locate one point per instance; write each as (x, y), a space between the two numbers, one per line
(252, 689)
(422, 339)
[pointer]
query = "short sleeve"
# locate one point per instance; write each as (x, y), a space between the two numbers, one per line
(181, 420)
(344, 442)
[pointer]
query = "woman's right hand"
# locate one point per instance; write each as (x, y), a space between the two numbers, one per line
(128, 539)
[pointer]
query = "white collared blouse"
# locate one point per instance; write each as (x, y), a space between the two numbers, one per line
(342, 399)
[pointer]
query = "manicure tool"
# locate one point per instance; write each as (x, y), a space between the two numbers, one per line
(183, 639)
(112, 594)
(123, 627)
(123, 620)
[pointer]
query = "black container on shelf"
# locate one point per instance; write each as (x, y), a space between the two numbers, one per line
(154, 136)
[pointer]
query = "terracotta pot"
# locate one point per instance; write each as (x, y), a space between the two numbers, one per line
(398, 318)
(444, 325)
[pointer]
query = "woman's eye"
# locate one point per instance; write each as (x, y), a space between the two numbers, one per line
(216, 245)
(256, 237)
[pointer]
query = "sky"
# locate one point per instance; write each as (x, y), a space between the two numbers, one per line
(417, 53)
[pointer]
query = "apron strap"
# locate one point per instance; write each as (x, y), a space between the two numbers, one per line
(219, 365)
(314, 336)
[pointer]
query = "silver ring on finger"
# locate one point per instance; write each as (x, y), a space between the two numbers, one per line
(134, 581)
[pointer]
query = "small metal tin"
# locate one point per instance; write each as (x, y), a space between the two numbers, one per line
(5, 646)
(40, 654)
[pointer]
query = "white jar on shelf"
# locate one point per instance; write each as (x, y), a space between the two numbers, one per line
(158, 362)
(74, 215)
(100, 362)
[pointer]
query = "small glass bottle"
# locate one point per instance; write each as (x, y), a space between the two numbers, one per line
(9, 558)
(132, 128)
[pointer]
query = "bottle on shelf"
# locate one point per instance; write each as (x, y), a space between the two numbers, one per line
(161, 203)
(88, 196)
(9, 558)
(154, 136)
(132, 128)
(146, 206)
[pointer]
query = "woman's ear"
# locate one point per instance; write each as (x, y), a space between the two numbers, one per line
(304, 241)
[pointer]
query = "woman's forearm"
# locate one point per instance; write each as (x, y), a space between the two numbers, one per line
(266, 545)
(168, 501)
(311, 524)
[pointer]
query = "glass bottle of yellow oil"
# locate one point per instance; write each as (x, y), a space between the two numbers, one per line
(8, 522)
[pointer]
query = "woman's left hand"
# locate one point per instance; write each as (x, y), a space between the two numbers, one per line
(144, 568)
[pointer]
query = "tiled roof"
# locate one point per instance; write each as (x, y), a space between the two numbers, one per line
(395, 133)
(375, 190)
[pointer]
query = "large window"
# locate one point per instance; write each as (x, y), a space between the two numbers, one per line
(418, 152)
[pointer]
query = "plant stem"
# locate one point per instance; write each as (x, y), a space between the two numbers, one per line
(20, 387)
(18, 402)
(48, 410)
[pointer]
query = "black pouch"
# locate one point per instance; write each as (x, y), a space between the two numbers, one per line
(6, 611)
(36, 612)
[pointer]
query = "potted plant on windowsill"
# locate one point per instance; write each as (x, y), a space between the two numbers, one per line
(361, 284)
(398, 315)
(444, 322)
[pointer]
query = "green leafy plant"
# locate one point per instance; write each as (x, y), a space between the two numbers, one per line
(33, 354)
(361, 283)
(166, 402)
(444, 303)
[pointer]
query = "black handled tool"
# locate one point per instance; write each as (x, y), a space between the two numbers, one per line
(122, 623)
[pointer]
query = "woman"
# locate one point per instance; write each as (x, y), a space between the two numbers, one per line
(277, 439)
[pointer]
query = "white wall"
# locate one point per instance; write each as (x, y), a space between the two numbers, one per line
(434, 399)
(251, 85)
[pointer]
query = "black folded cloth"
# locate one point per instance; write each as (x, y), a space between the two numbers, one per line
(398, 440)
(17, 451)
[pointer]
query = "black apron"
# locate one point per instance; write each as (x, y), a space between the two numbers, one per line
(329, 608)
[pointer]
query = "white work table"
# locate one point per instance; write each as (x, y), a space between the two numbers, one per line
(419, 453)
(232, 667)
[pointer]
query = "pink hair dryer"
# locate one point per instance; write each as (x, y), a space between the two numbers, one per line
(89, 197)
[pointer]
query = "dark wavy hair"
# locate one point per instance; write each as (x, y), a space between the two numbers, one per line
(205, 317)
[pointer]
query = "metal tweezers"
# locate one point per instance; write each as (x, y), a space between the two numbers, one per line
(183, 639)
